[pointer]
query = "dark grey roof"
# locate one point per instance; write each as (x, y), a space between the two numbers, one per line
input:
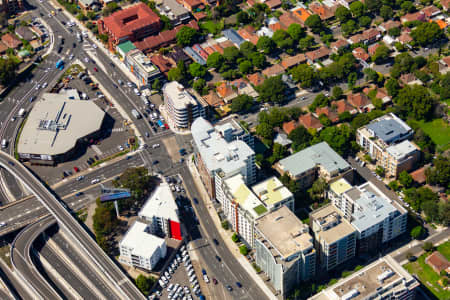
(233, 36)
(194, 55)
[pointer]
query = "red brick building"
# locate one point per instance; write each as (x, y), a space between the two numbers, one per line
(130, 24)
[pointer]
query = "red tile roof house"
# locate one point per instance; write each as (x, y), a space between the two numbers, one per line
(309, 121)
(226, 92)
(3, 48)
(327, 111)
(431, 11)
(373, 48)
(11, 41)
(360, 53)
(162, 63)
(323, 11)
(445, 5)
(301, 15)
(133, 23)
(292, 61)
(289, 126)
(386, 26)
(438, 262)
(405, 38)
(417, 16)
(288, 18)
(273, 4)
(274, 70)
(191, 5)
(248, 33)
(444, 65)
(409, 79)
(343, 106)
(360, 101)
(256, 79)
(318, 55)
(382, 94)
(339, 44)
(213, 100)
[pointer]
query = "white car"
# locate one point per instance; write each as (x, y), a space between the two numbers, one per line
(86, 60)
(80, 177)
(2, 224)
(205, 277)
(94, 46)
(94, 181)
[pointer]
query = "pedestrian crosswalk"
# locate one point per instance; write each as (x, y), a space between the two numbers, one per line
(119, 129)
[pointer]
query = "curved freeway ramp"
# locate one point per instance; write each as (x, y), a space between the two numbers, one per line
(105, 265)
(23, 263)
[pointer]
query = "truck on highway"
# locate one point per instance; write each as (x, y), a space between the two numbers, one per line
(60, 64)
(136, 114)
(21, 112)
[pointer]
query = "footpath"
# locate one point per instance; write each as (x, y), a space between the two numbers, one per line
(226, 235)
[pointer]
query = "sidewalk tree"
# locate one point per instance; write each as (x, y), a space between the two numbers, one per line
(225, 225)
(272, 90)
(235, 237)
(241, 104)
(380, 171)
(428, 246)
(304, 74)
(394, 185)
(243, 249)
(417, 232)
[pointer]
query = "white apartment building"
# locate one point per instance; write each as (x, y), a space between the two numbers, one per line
(218, 157)
(242, 206)
(160, 212)
(182, 108)
(334, 237)
(385, 139)
(140, 248)
(382, 279)
(284, 249)
(376, 218)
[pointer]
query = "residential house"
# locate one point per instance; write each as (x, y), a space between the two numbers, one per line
(342, 106)
(287, 19)
(324, 11)
(405, 38)
(38, 32)
(265, 31)
(273, 70)
(444, 65)
(244, 88)
(292, 61)
(417, 16)
(176, 55)
(200, 16)
(173, 10)
(11, 6)
(282, 139)
(316, 161)
(431, 11)
(360, 54)
(381, 94)
(192, 5)
(386, 26)
(328, 112)
(213, 100)
(89, 5)
(233, 36)
(24, 32)
(386, 140)
(289, 126)
(226, 92)
(419, 175)
(11, 41)
(273, 4)
(3, 48)
(367, 37)
(360, 101)
(163, 64)
(248, 33)
(256, 79)
(410, 79)
(445, 5)
(36, 45)
(310, 121)
(338, 45)
(438, 262)
(318, 55)
(299, 15)
(373, 48)
(441, 23)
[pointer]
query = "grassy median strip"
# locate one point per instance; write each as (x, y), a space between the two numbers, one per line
(16, 141)
(5, 254)
(96, 163)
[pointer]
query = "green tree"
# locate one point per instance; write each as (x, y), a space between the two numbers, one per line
(392, 87)
(266, 44)
(337, 92)
(243, 18)
(408, 7)
(174, 74)
(373, 6)
(278, 152)
(241, 104)
(265, 131)
(296, 31)
(394, 185)
(231, 54)
(343, 14)
(314, 23)
(365, 21)
(431, 210)
(304, 74)
(282, 39)
(246, 67)
(225, 225)
(427, 33)
(417, 232)
(345, 116)
(324, 120)
(386, 12)
(415, 101)
(235, 238)
(156, 85)
(7, 70)
(110, 8)
(380, 171)
(199, 85)
(357, 9)
(300, 138)
(186, 36)
(349, 27)
(339, 138)
(104, 219)
(243, 250)
(139, 181)
(258, 60)
(247, 49)
(405, 179)
(439, 173)
(318, 189)
(416, 197)
(104, 38)
(352, 77)
(395, 31)
(360, 120)
(381, 54)
(197, 70)
(144, 284)
(215, 60)
(272, 90)
(306, 43)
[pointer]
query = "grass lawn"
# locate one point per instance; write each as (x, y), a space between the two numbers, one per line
(438, 131)
(445, 249)
(427, 276)
(212, 27)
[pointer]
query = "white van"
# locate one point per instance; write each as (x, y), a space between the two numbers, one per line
(4, 143)
(155, 146)
(21, 112)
